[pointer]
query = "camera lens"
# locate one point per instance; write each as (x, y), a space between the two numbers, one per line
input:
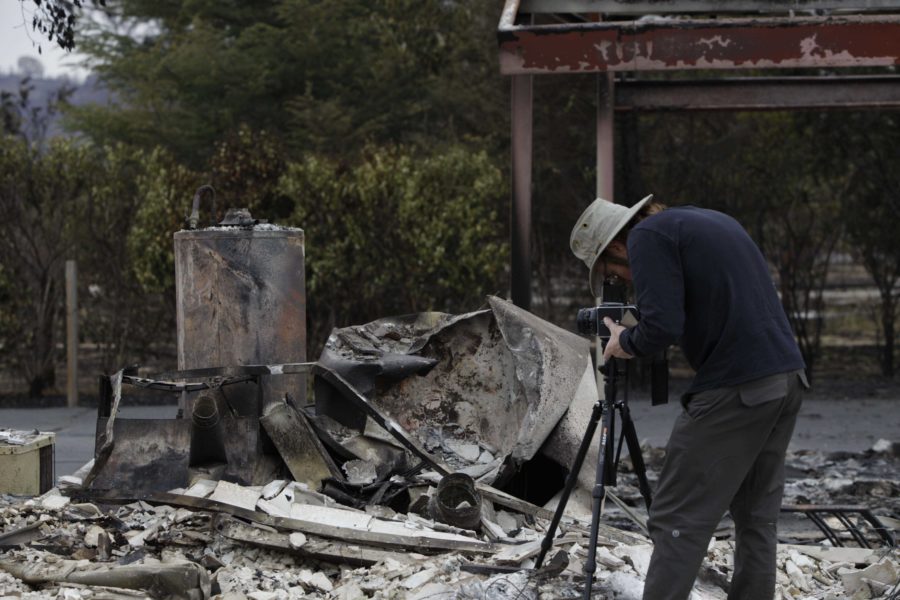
(586, 321)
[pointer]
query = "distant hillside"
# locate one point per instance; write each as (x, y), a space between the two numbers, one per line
(90, 91)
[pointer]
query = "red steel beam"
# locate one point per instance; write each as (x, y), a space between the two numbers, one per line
(661, 44)
(760, 93)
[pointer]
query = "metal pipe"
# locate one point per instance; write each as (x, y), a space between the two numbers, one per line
(457, 502)
(194, 219)
(206, 412)
(207, 433)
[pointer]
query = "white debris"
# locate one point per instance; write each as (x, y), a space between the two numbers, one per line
(277, 564)
(272, 489)
(884, 572)
(360, 472)
(201, 488)
(92, 537)
(465, 450)
(637, 556)
(623, 585)
(419, 579)
(235, 495)
(53, 500)
(883, 446)
(796, 575)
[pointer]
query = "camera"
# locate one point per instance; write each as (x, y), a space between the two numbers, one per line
(613, 293)
(590, 320)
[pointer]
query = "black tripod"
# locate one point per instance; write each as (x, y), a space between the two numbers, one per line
(607, 463)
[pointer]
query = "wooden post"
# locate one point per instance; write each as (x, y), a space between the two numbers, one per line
(71, 333)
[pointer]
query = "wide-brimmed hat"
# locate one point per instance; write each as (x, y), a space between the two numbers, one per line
(597, 226)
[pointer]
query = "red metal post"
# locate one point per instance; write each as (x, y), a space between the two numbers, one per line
(605, 135)
(520, 217)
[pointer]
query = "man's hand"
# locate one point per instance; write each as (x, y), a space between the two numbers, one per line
(612, 346)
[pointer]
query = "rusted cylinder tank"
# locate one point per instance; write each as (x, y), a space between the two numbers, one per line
(241, 300)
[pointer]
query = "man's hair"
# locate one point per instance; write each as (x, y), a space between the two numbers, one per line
(648, 210)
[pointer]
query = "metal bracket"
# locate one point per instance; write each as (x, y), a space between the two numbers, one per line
(817, 514)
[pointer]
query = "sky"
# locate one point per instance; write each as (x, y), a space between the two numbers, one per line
(17, 39)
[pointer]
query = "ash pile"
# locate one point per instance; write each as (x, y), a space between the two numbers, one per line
(419, 457)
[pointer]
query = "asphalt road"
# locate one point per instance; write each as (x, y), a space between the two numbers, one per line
(830, 425)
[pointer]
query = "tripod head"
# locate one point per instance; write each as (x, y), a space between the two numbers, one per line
(613, 368)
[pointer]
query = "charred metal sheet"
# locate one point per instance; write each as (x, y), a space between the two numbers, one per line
(662, 7)
(659, 44)
(388, 423)
(302, 452)
(248, 461)
(760, 93)
(150, 455)
(243, 428)
(501, 381)
(549, 363)
(363, 376)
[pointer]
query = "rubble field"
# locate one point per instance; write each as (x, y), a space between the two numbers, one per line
(222, 540)
(425, 462)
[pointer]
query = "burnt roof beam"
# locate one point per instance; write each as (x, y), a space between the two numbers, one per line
(662, 7)
(683, 44)
(760, 93)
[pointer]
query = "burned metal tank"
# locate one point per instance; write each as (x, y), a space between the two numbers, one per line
(241, 300)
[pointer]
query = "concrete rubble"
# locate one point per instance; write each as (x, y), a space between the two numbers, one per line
(410, 498)
(269, 550)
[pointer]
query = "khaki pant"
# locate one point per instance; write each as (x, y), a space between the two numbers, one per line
(726, 452)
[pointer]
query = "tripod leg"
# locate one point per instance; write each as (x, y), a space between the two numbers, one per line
(603, 465)
(637, 456)
(571, 481)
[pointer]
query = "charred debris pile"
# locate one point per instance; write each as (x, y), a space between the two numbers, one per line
(418, 457)
(387, 484)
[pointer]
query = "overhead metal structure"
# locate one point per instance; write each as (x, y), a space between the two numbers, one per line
(626, 37)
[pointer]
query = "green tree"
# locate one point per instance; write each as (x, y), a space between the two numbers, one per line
(165, 190)
(325, 77)
(244, 170)
(126, 320)
(871, 211)
(42, 197)
(399, 233)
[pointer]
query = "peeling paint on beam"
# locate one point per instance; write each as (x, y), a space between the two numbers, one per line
(669, 44)
(643, 7)
(760, 93)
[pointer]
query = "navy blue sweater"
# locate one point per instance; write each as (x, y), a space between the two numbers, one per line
(701, 282)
